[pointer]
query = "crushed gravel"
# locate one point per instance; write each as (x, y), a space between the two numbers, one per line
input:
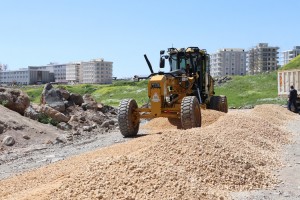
(236, 151)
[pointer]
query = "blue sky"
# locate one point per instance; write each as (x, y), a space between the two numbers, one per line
(35, 32)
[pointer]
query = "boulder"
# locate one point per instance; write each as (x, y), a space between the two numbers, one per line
(14, 99)
(64, 126)
(76, 98)
(31, 113)
(73, 118)
(65, 94)
(3, 126)
(54, 114)
(69, 104)
(8, 141)
(60, 139)
(87, 128)
(97, 118)
(53, 97)
(89, 102)
(26, 137)
(105, 124)
(106, 109)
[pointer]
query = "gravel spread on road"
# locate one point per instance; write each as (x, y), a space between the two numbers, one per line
(231, 152)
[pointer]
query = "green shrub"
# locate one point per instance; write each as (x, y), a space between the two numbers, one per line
(47, 120)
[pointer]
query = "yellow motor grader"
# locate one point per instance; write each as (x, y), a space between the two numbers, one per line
(177, 95)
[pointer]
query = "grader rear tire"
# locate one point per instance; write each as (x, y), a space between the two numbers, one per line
(190, 112)
(223, 104)
(128, 118)
(219, 103)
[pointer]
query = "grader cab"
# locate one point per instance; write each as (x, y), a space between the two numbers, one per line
(178, 94)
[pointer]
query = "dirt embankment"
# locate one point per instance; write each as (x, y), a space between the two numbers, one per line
(237, 152)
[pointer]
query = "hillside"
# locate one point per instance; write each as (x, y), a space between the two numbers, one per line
(250, 90)
(293, 64)
(242, 91)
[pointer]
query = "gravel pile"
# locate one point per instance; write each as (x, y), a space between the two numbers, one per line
(160, 123)
(237, 152)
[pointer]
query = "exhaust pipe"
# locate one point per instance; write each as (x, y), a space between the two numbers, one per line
(149, 64)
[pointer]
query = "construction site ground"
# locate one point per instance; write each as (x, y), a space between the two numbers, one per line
(244, 154)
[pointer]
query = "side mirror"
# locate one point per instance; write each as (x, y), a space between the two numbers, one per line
(162, 62)
(162, 52)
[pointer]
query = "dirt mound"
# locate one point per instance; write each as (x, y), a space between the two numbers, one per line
(158, 124)
(237, 152)
(24, 131)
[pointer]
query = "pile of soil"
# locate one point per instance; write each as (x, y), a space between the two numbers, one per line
(237, 152)
(25, 131)
(160, 123)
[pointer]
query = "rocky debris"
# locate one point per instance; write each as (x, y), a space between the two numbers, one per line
(80, 117)
(60, 140)
(64, 126)
(76, 98)
(14, 99)
(87, 128)
(52, 97)
(3, 126)
(69, 103)
(222, 80)
(89, 102)
(54, 114)
(65, 93)
(108, 109)
(78, 112)
(8, 140)
(108, 124)
(32, 113)
(26, 137)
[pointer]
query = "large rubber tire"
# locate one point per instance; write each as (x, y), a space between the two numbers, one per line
(128, 118)
(190, 112)
(213, 103)
(218, 103)
(224, 105)
(175, 122)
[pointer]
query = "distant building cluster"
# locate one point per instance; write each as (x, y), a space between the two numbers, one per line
(261, 58)
(94, 71)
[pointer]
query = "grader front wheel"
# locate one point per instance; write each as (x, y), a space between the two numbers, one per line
(128, 118)
(190, 112)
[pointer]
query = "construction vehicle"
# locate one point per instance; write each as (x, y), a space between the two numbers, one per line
(177, 95)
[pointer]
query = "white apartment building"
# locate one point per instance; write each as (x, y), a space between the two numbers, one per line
(25, 76)
(59, 71)
(228, 61)
(73, 74)
(96, 71)
(290, 55)
(262, 58)
(20, 76)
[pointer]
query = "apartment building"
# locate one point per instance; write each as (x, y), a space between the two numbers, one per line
(73, 74)
(25, 76)
(228, 61)
(289, 55)
(96, 71)
(262, 58)
(59, 71)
